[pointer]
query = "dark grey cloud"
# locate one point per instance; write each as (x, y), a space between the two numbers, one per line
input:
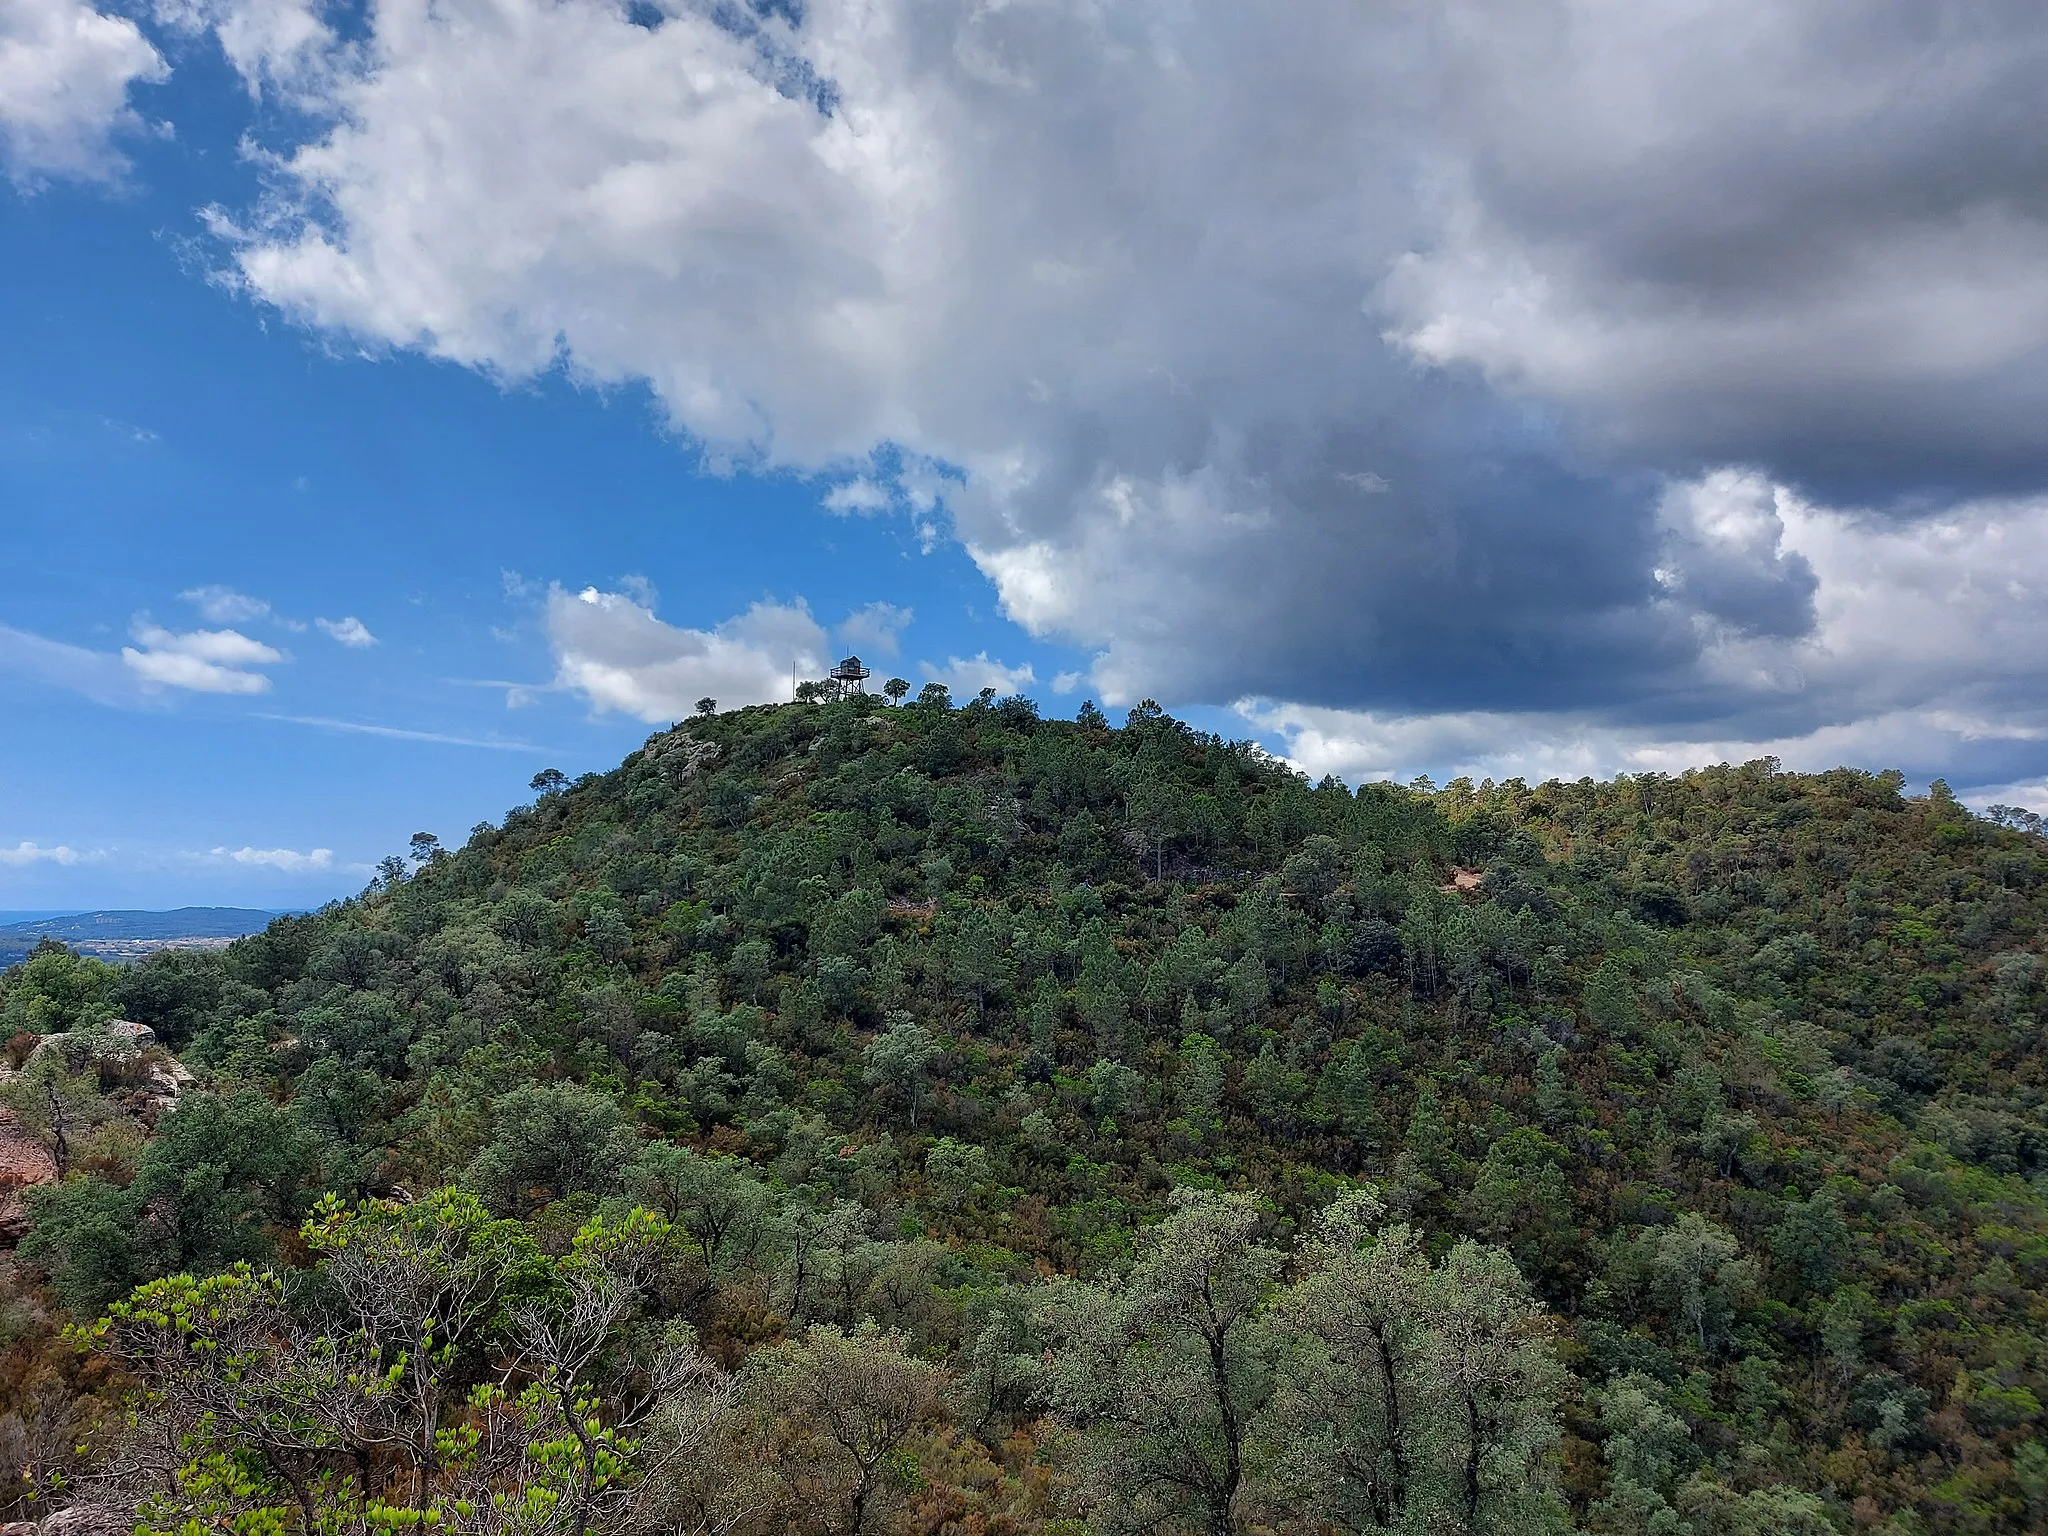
(1812, 236)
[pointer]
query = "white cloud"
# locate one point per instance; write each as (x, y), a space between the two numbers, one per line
(279, 46)
(860, 496)
(402, 733)
(31, 853)
(2031, 794)
(1065, 682)
(98, 675)
(65, 73)
(224, 605)
(876, 629)
(285, 860)
(350, 631)
(972, 674)
(618, 655)
(201, 660)
(1167, 396)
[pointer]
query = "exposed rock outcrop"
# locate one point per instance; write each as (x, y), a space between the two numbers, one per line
(155, 1078)
(24, 1163)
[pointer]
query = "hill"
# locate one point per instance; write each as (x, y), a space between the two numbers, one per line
(125, 934)
(1736, 1076)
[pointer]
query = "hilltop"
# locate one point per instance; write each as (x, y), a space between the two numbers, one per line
(1740, 1070)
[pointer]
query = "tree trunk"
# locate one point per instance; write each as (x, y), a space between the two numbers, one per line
(1233, 1442)
(1397, 1492)
(1471, 1463)
(60, 1151)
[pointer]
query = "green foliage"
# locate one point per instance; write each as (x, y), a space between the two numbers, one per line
(342, 1406)
(54, 990)
(901, 1057)
(1373, 1392)
(848, 1399)
(549, 1142)
(1740, 1068)
(212, 1187)
(1166, 1366)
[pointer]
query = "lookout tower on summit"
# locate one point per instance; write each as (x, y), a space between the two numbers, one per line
(848, 677)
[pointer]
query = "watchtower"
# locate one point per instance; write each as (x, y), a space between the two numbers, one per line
(847, 678)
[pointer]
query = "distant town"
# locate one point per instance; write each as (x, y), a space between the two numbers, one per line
(123, 936)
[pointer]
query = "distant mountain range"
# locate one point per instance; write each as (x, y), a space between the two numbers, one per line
(127, 935)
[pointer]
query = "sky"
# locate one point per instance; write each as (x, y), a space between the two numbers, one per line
(397, 399)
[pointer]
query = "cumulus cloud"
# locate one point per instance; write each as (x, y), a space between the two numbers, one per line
(31, 853)
(201, 660)
(65, 75)
(1813, 234)
(280, 47)
(1478, 361)
(876, 629)
(1924, 649)
(971, 675)
(285, 860)
(610, 647)
(860, 495)
(350, 631)
(224, 605)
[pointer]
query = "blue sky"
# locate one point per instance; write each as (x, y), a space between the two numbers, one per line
(1397, 391)
(160, 435)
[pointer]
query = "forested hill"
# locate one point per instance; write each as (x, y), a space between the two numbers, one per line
(890, 1018)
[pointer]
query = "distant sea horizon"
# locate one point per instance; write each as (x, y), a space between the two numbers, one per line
(10, 915)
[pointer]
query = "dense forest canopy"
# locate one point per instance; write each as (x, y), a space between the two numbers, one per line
(857, 1118)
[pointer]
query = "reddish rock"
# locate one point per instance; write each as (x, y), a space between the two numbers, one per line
(23, 1165)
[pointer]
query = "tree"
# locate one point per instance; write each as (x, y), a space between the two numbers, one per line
(716, 1200)
(1811, 1241)
(219, 1175)
(426, 848)
(57, 1104)
(955, 1170)
(1411, 1396)
(549, 781)
(848, 926)
(1377, 1392)
(608, 932)
(56, 990)
(896, 688)
(749, 965)
(707, 706)
(1199, 1085)
(978, 959)
(1164, 1367)
(1701, 1273)
(1154, 809)
(833, 1407)
(548, 1141)
(899, 1057)
(345, 1407)
(1520, 1198)
(82, 1233)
